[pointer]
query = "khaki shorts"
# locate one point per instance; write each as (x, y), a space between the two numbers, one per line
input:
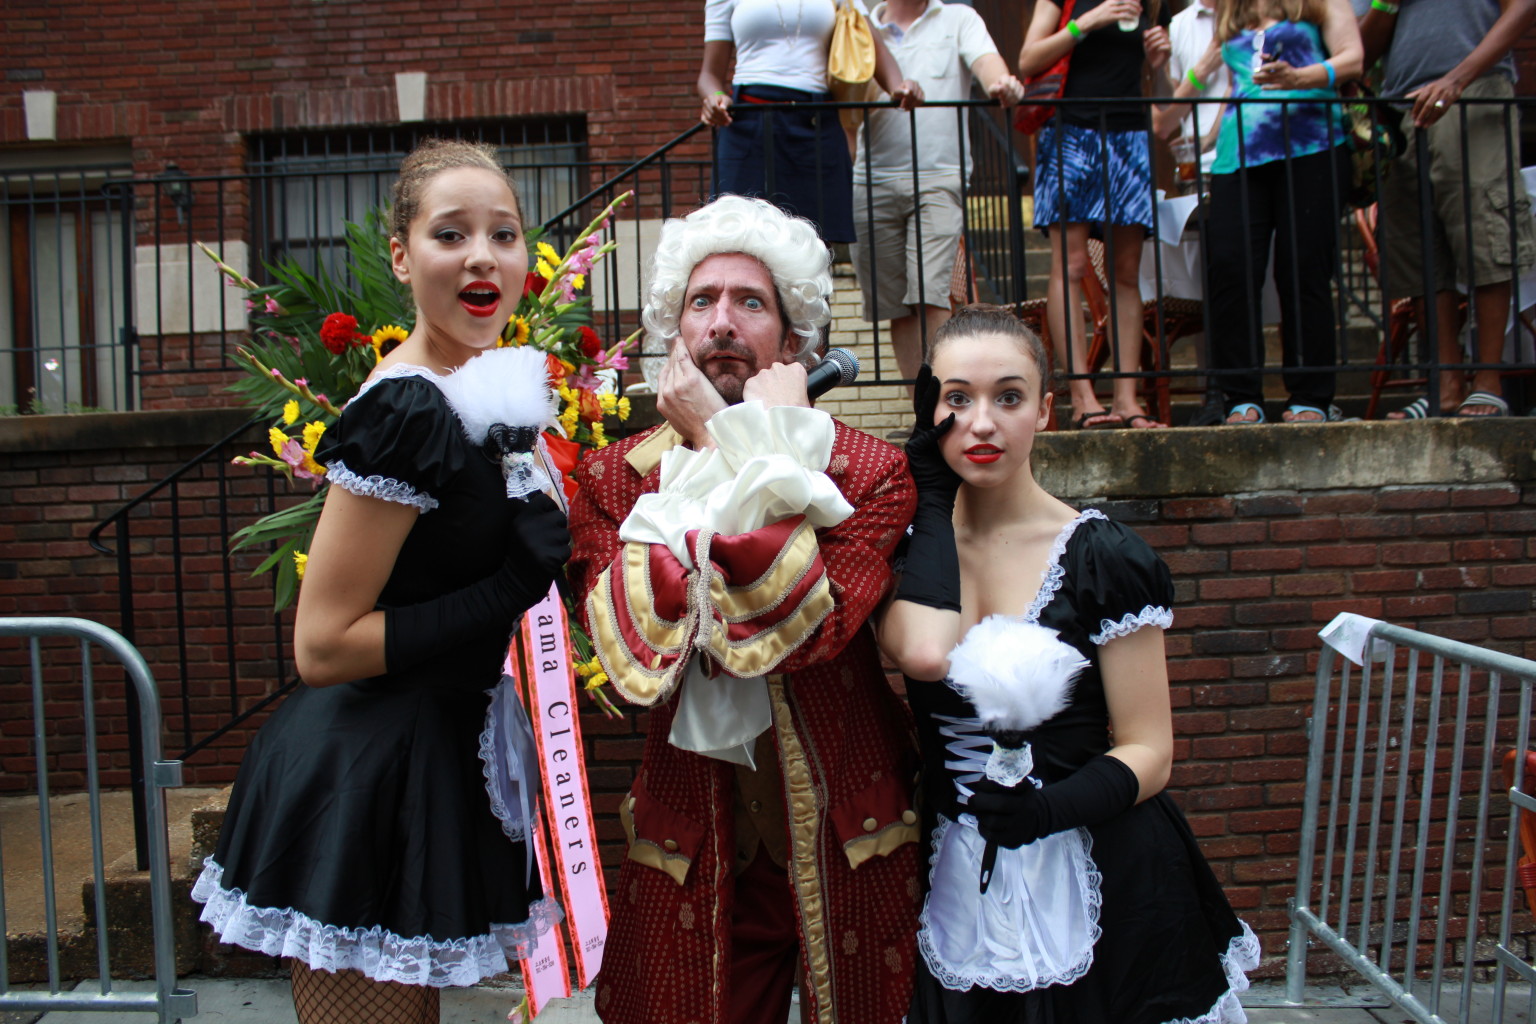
(1463, 252)
(892, 290)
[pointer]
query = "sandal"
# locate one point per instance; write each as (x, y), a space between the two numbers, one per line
(1484, 399)
(1102, 419)
(1418, 409)
(1303, 414)
(1141, 421)
(1241, 411)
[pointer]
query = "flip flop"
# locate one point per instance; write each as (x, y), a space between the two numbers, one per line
(1483, 398)
(1293, 414)
(1243, 410)
(1134, 420)
(1418, 409)
(1106, 421)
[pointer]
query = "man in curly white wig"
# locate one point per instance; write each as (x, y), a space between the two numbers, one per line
(729, 559)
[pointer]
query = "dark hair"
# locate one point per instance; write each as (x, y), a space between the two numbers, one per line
(430, 158)
(985, 318)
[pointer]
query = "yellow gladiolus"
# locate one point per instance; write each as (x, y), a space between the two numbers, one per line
(290, 412)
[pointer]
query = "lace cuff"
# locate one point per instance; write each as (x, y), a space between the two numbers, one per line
(384, 488)
(1151, 615)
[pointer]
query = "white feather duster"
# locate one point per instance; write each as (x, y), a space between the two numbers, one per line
(1017, 674)
(501, 385)
(503, 399)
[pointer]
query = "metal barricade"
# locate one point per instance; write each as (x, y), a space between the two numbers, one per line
(167, 1000)
(1403, 816)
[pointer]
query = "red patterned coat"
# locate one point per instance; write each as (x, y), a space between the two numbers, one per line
(844, 738)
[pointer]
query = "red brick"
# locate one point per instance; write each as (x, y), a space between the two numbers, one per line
(1373, 527)
(1329, 555)
(1266, 560)
(1489, 496)
(1461, 523)
(1198, 508)
(1392, 499)
(1503, 549)
(1310, 584)
(1416, 553)
(1340, 502)
(1286, 531)
(1234, 589)
(1228, 533)
(1462, 578)
(1394, 580)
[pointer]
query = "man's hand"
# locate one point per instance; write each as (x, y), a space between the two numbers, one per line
(779, 384)
(1157, 45)
(1431, 102)
(908, 95)
(686, 398)
(1007, 90)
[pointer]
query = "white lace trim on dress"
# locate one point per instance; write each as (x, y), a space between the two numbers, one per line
(1050, 580)
(381, 487)
(1151, 615)
(378, 954)
(1242, 955)
(1036, 925)
(509, 761)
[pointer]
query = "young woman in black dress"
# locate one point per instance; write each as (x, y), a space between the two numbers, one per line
(1098, 906)
(361, 840)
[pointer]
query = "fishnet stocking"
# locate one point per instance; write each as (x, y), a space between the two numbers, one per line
(348, 997)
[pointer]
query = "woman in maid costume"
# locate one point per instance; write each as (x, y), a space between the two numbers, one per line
(1064, 886)
(376, 834)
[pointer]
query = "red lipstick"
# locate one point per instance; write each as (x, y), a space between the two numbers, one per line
(982, 454)
(480, 298)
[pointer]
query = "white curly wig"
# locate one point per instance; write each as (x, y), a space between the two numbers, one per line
(796, 259)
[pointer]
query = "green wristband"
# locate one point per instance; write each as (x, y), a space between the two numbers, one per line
(1072, 27)
(1384, 7)
(1194, 81)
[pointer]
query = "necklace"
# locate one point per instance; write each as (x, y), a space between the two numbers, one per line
(799, 17)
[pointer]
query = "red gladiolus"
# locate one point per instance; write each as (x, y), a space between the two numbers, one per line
(533, 284)
(339, 332)
(564, 454)
(556, 369)
(591, 344)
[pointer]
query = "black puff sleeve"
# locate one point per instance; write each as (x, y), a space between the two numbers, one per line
(1122, 584)
(398, 441)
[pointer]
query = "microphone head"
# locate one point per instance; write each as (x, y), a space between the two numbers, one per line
(847, 365)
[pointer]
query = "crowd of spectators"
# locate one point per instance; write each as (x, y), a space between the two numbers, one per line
(1256, 88)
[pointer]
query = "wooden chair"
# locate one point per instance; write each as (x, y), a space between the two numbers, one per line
(1402, 322)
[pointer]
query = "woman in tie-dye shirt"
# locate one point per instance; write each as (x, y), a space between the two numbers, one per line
(1279, 177)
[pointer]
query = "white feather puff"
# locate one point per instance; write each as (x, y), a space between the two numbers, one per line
(502, 385)
(1016, 673)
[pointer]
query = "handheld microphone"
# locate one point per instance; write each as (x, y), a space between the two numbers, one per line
(837, 367)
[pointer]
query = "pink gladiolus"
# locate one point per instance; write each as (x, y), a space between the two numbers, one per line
(302, 382)
(278, 374)
(250, 307)
(613, 360)
(273, 307)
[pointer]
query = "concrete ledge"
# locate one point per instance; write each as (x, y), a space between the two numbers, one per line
(102, 430)
(1206, 461)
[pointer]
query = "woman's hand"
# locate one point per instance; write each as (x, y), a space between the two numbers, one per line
(1157, 46)
(1277, 74)
(1108, 14)
(716, 111)
(930, 470)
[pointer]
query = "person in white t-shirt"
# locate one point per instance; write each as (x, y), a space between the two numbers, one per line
(1189, 35)
(909, 225)
(797, 159)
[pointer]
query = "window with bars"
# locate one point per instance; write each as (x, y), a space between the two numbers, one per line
(306, 185)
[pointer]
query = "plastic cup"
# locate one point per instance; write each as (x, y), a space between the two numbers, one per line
(1186, 160)
(1129, 24)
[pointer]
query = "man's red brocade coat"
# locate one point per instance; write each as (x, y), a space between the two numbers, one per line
(848, 761)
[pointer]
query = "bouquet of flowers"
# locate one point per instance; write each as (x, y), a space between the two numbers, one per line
(315, 338)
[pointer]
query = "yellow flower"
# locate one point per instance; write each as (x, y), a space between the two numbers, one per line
(596, 681)
(544, 270)
(568, 420)
(300, 563)
(547, 252)
(608, 402)
(277, 439)
(290, 412)
(312, 432)
(598, 437)
(386, 333)
(519, 330)
(623, 408)
(578, 280)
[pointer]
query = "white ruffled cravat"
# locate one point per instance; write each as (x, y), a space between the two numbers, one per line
(769, 464)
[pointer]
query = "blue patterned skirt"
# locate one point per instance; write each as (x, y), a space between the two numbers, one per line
(1083, 175)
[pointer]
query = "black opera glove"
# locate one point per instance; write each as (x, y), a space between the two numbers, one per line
(539, 548)
(1012, 817)
(931, 575)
